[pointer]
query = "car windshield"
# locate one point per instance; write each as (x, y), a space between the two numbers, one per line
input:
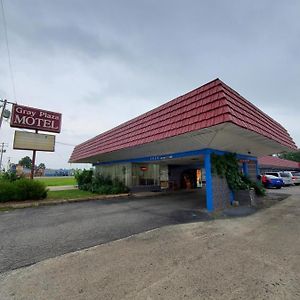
(272, 177)
(285, 175)
(272, 174)
(296, 173)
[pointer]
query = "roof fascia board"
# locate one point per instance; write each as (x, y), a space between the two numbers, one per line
(157, 158)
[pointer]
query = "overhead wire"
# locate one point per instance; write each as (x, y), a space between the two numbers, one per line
(8, 51)
(10, 64)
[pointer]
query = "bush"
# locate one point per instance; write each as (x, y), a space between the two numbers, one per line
(84, 179)
(23, 189)
(10, 176)
(7, 191)
(99, 184)
(258, 187)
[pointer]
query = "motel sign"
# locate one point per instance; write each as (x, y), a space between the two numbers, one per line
(36, 119)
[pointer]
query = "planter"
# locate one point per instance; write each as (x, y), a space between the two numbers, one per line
(246, 197)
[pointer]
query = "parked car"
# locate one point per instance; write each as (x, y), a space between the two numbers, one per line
(295, 176)
(286, 177)
(270, 181)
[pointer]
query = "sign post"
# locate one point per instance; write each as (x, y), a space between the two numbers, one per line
(33, 161)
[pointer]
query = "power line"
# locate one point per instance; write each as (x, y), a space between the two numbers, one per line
(8, 52)
(65, 144)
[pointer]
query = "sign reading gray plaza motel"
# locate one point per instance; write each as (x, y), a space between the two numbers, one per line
(36, 119)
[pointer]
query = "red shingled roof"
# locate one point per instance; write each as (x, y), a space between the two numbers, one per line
(211, 104)
(272, 161)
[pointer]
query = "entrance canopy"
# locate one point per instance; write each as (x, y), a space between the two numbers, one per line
(212, 116)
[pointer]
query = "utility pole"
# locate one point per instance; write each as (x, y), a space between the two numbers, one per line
(3, 110)
(5, 113)
(8, 163)
(2, 150)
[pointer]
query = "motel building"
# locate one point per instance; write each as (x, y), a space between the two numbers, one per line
(170, 147)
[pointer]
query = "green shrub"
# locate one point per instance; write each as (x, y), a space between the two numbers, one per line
(10, 176)
(23, 189)
(84, 179)
(226, 166)
(259, 188)
(99, 184)
(7, 191)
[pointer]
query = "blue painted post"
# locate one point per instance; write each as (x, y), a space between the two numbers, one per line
(245, 168)
(209, 188)
(257, 168)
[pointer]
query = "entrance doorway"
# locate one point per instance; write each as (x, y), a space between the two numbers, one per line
(188, 179)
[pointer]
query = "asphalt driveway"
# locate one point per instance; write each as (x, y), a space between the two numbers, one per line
(34, 234)
(254, 257)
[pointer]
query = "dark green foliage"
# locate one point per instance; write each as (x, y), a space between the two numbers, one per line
(41, 166)
(9, 176)
(23, 189)
(84, 179)
(26, 162)
(227, 166)
(295, 156)
(258, 186)
(99, 184)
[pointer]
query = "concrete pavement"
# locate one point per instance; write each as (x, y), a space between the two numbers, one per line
(34, 234)
(62, 188)
(257, 257)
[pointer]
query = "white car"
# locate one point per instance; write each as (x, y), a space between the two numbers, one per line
(295, 176)
(285, 176)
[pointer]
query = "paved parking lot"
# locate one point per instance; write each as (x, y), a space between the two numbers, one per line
(291, 190)
(254, 257)
(34, 234)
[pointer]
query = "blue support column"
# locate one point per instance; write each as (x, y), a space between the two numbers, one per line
(245, 168)
(257, 168)
(209, 187)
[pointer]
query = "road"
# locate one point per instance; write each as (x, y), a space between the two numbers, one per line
(254, 257)
(34, 234)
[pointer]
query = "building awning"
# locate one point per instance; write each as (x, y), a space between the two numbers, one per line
(211, 116)
(276, 162)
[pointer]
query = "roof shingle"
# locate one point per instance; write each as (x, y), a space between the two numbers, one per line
(211, 104)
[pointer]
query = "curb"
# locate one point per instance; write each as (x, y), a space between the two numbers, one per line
(27, 204)
(37, 203)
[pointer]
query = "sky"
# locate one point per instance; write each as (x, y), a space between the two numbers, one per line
(101, 63)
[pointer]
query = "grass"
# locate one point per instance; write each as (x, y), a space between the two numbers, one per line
(6, 209)
(69, 194)
(57, 181)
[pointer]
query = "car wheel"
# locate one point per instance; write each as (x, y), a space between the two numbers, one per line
(278, 187)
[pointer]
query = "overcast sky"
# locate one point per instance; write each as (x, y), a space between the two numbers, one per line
(101, 63)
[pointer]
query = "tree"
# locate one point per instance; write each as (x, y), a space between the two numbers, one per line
(295, 156)
(41, 166)
(26, 162)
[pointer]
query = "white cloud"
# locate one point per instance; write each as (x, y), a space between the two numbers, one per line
(101, 63)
